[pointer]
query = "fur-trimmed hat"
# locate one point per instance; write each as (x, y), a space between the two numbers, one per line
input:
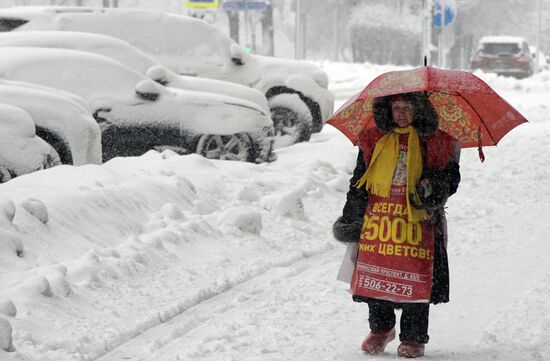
(425, 117)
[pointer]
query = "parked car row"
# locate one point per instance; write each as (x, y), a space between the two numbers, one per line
(130, 80)
(187, 46)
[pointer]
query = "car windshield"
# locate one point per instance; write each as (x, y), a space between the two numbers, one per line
(500, 48)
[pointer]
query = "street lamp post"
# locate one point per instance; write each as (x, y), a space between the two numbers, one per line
(427, 9)
(299, 41)
(539, 25)
(297, 30)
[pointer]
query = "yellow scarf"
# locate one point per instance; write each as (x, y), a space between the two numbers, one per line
(379, 175)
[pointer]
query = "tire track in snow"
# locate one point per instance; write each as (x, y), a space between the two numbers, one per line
(124, 348)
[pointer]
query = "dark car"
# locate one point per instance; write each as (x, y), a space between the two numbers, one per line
(504, 55)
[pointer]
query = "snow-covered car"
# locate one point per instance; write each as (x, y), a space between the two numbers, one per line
(132, 57)
(136, 114)
(296, 90)
(21, 150)
(504, 55)
(65, 124)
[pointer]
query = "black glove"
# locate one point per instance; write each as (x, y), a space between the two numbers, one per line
(347, 232)
(433, 190)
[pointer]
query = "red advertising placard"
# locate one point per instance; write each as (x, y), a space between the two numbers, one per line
(395, 259)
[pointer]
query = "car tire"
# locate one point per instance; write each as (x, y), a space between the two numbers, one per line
(292, 119)
(226, 147)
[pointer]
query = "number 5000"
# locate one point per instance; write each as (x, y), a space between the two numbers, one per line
(398, 230)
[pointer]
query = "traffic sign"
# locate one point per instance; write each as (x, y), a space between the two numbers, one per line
(245, 5)
(444, 12)
(202, 3)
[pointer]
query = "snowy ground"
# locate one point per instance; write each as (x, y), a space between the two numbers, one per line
(167, 258)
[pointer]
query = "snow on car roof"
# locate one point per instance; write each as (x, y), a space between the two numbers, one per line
(128, 55)
(197, 42)
(89, 42)
(88, 75)
(501, 39)
(101, 80)
(72, 96)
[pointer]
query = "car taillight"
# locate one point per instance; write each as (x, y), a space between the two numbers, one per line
(523, 58)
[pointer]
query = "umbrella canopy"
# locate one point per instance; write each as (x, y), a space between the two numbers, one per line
(467, 108)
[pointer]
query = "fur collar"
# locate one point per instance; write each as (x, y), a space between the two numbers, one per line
(425, 119)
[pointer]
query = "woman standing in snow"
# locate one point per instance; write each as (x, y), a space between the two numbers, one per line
(406, 170)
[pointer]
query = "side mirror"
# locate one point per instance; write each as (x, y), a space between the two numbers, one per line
(147, 90)
(98, 117)
(237, 54)
(159, 74)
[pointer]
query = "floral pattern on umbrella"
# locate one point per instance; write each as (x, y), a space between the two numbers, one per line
(356, 116)
(454, 120)
(398, 82)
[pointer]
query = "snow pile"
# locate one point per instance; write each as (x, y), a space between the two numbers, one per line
(135, 242)
(7, 308)
(36, 208)
(59, 113)
(6, 343)
(21, 151)
(10, 241)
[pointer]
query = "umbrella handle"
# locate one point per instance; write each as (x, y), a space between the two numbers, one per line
(481, 155)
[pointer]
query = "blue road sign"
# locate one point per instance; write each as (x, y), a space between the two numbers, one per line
(444, 13)
(244, 5)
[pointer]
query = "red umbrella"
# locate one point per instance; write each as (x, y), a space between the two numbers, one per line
(468, 109)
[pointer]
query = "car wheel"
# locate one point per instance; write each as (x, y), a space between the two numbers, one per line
(226, 147)
(292, 119)
(52, 159)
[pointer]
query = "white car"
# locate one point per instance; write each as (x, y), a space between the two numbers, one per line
(64, 123)
(132, 57)
(21, 151)
(136, 114)
(297, 90)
